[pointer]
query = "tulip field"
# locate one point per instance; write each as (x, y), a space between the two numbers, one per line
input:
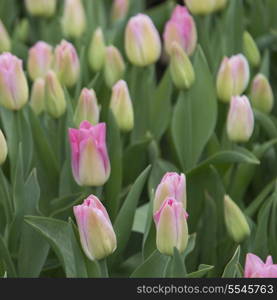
(138, 138)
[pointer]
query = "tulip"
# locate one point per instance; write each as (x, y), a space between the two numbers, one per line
(171, 227)
(240, 120)
(89, 156)
(181, 69)
(14, 90)
(3, 148)
(74, 18)
(220, 4)
(114, 67)
(55, 103)
(233, 77)
(261, 94)
(181, 29)
(256, 268)
(66, 63)
(41, 8)
(5, 41)
(38, 96)
(87, 108)
(121, 106)
(97, 50)
(97, 235)
(201, 7)
(39, 60)
(235, 220)
(119, 9)
(172, 185)
(142, 41)
(251, 50)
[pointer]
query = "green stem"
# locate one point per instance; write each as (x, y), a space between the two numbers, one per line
(103, 268)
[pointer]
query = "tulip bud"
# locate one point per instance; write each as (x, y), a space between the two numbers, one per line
(122, 107)
(37, 96)
(172, 185)
(240, 121)
(114, 67)
(181, 29)
(256, 268)
(235, 220)
(66, 63)
(97, 50)
(41, 8)
(220, 4)
(14, 90)
(119, 9)
(233, 77)
(261, 94)
(97, 235)
(22, 30)
(55, 103)
(87, 108)
(171, 226)
(74, 18)
(181, 69)
(3, 148)
(89, 156)
(251, 50)
(39, 60)
(142, 41)
(201, 7)
(5, 42)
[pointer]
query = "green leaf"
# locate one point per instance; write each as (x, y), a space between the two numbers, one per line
(125, 217)
(195, 115)
(153, 266)
(178, 265)
(202, 271)
(5, 255)
(140, 218)
(266, 123)
(230, 270)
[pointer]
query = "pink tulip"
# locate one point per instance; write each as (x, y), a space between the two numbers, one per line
(96, 231)
(172, 185)
(181, 29)
(256, 268)
(89, 156)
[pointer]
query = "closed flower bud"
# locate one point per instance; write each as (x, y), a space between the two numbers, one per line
(181, 29)
(87, 108)
(66, 63)
(14, 90)
(119, 9)
(89, 156)
(3, 148)
(97, 50)
(261, 94)
(114, 66)
(142, 41)
(235, 220)
(172, 185)
(97, 235)
(251, 50)
(233, 77)
(181, 69)
(5, 42)
(220, 4)
(171, 227)
(55, 103)
(39, 60)
(41, 8)
(240, 120)
(121, 106)
(256, 268)
(74, 18)
(38, 96)
(201, 7)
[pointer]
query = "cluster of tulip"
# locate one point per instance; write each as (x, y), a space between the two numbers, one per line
(55, 71)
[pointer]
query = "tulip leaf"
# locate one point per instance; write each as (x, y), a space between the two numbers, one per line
(178, 265)
(5, 255)
(230, 270)
(266, 123)
(201, 272)
(59, 236)
(140, 218)
(195, 115)
(125, 217)
(153, 266)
